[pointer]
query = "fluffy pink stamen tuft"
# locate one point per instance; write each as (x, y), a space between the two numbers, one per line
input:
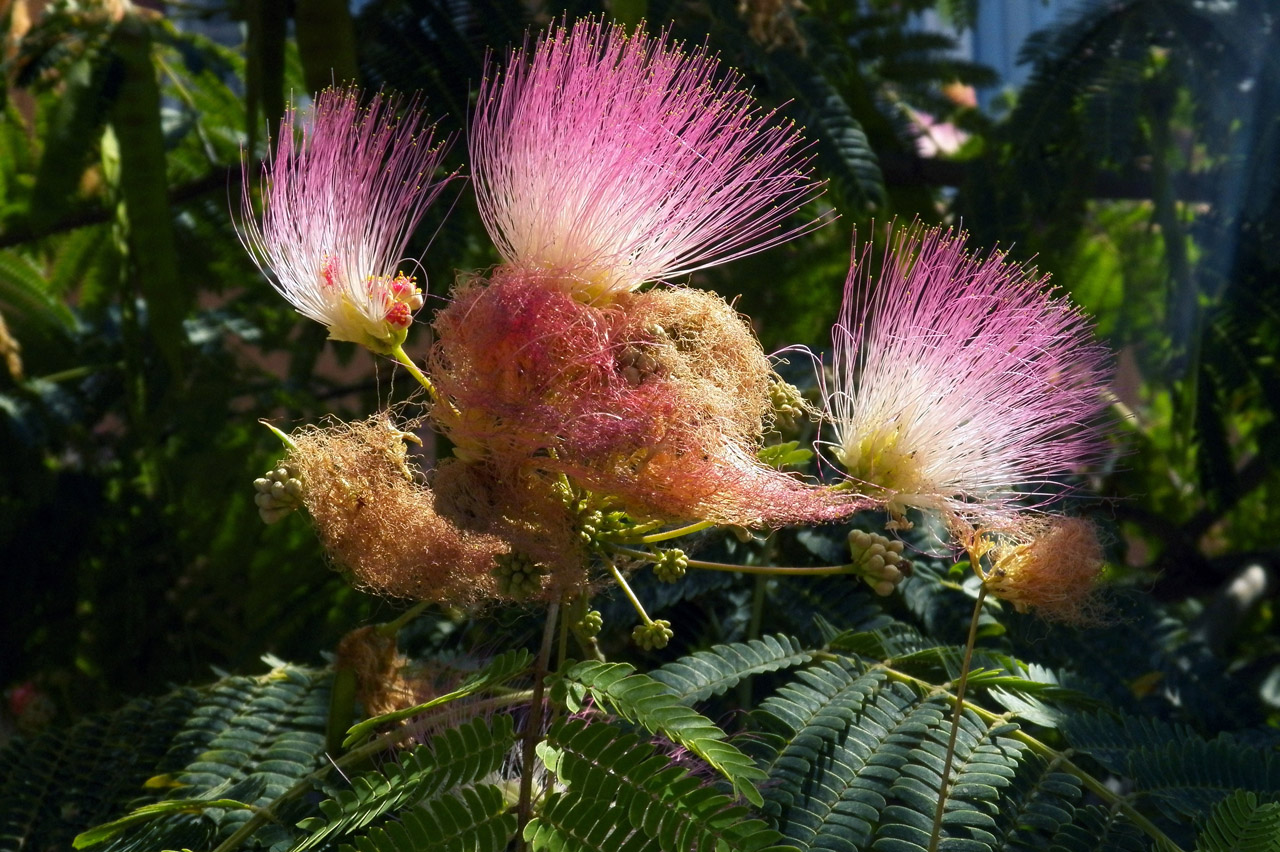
(343, 193)
(615, 159)
(963, 383)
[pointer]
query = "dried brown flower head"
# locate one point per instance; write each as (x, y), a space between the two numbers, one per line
(1051, 565)
(376, 519)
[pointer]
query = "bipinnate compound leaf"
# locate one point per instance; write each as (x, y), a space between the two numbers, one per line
(453, 758)
(470, 819)
(1241, 823)
(626, 777)
(641, 699)
(702, 674)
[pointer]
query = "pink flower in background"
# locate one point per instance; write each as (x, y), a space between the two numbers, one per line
(963, 384)
(339, 206)
(615, 158)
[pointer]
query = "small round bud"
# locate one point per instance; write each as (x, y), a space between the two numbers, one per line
(590, 623)
(878, 559)
(671, 565)
(653, 636)
(518, 576)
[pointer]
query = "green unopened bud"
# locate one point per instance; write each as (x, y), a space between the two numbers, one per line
(279, 493)
(518, 576)
(879, 560)
(597, 527)
(671, 565)
(590, 623)
(653, 636)
(788, 404)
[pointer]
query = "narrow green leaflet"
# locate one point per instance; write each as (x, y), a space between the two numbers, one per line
(502, 669)
(146, 813)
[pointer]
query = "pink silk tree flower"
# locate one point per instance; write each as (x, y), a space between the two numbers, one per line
(613, 159)
(339, 205)
(964, 385)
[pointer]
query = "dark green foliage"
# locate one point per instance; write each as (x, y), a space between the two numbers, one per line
(243, 738)
(644, 700)
(62, 782)
(454, 757)
(1178, 769)
(474, 819)
(705, 673)
(1241, 823)
(610, 773)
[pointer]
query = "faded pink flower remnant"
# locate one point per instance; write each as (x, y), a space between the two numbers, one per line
(964, 385)
(614, 159)
(339, 205)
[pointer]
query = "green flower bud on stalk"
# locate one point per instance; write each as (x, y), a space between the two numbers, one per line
(590, 623)
(279, 493)
(518, 576)
(788, 404)
(879, 560)
(671, 565)
(653, 636)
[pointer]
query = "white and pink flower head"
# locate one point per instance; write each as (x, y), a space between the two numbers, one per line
(964, 385)
(612, 159)
(339, 205)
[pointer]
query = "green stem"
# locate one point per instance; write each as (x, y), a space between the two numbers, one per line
(399, 354)
(801, 571)
(626, 588)
(391, 628)
(533, 728)
(936, 835)
(676, 533)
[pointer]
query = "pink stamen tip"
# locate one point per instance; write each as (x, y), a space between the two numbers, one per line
(348, 184)
(673, 168)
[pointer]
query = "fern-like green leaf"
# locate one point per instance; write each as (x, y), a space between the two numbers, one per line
(456, 756)
(641, 699)
(503, 668)
(26, 298)
(146, 813)
(705, 673)
(1038, 803)
(62, 782)
(472, 819)
(1096, 829)
(1240, 824)
(570, 823)
(599, 761)
(833, 719)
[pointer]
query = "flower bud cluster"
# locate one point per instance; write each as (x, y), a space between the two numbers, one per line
(788, 404)
(590, 623)
(653, 636)
(671, 565)
(518, 576)
(279, 493)
(879, 560)
(596, 526)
